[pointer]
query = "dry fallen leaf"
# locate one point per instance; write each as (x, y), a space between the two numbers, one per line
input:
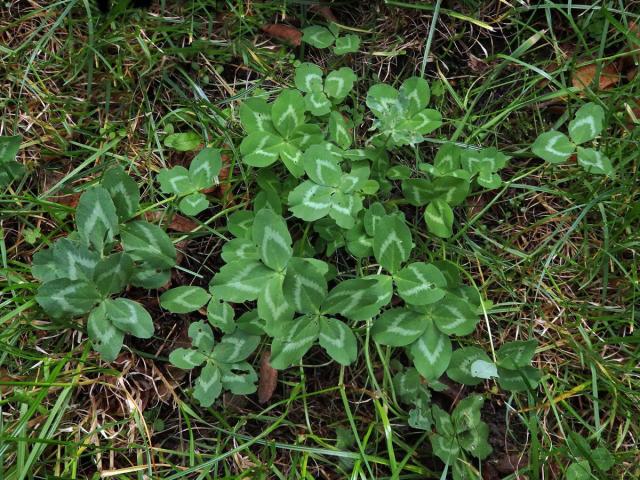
(286, 33)
(268, 379)
(584, 77)
(178, 222)
(325, 12)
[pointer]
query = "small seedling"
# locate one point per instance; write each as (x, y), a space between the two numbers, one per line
(555, 147)
(187, 185)
(324, 37)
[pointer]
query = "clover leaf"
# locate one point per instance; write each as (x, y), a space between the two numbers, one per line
(186, 184)
(277, 131)
(10, 169)
(555, 147)
(224, 365)
(328, 191)
(322, 95)
(323, 37)
(401, 115)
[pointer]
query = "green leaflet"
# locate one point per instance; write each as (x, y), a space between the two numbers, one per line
(240, 281)
(205, 167)
(310, 201)
(420, 283)
(10, 169)
(255, 114)
(287, 111)
(184, 299)
(239, 378)
(308, 78)
(193, 204)
(201, 337)
(96, 218)
(304, 287)
(398, 327)
(289, 349)
(431, 352)
(186, 358)
(338, 340)
(439, 218)
(129, 317)
(67, 298)
(175, 180)
(339, 83)
(349, 297)
(183, 142)
(106, 338)
(454, 316)
(587, 124)
(516, 354)
(321, 166)
(553, 146)
(273, 308)
(148, 243)
(460, 366)
(594, 161)
(221, 315)
(208, 385)
(112, 273)
(392, 243)
(520, 380)
(346, 44)
(66, 259)
(123, 191)
(271, 235)
(317, 36)
(235, 347)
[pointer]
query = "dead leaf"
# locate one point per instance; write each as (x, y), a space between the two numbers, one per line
(324, 11)
(477, 65)
(584, 77)
(268, 379)
(178, 222)
(286, 33)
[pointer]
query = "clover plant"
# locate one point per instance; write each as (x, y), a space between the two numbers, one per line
(402, 116)
(449, 180)
(556, 147)
(459, 434)
(588, 462)
(10, 169)
(335, 197)
(187, 185)
(324, 37)
(84, 273)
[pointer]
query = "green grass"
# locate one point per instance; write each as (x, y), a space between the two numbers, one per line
(555, 249)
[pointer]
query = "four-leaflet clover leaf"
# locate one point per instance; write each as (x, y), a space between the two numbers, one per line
(277, 130)
(80, 274)
(321, 95)
(187, 184)
(224, 362)
(305, 289)
(401, 115)
(461, 432)
(555, 147)
(329, 190)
